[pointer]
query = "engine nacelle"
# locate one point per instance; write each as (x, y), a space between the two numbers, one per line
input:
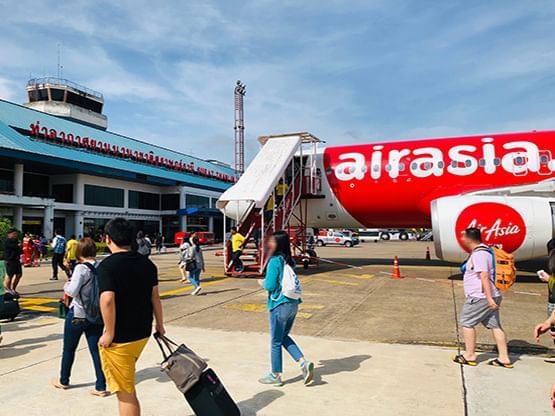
(522, 225)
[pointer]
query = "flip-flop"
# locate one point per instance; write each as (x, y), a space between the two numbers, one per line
(56, 383)
(497, 363)
(459, 359)
(98, 393)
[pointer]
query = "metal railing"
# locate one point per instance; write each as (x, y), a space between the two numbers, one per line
(62, 82)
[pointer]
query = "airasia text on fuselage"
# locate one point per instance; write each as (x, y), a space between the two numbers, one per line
(515, 157)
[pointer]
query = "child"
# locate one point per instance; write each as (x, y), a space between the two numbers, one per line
(184, 257)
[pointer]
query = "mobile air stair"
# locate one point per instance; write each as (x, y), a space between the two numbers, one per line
(258, 208)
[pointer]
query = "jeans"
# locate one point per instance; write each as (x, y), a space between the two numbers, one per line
(58, 261)
(282, 318)
(73, 329)
(194, 277)
(237, 263)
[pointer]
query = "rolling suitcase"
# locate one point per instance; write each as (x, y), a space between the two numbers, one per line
(9, 309)
(208, 397)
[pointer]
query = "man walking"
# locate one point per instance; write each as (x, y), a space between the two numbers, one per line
(482, 301)
(71, 252)
(237, 242)
(129, 297)
(58, 255)
(12, 257)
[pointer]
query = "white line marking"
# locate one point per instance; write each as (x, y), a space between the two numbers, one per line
(528, 293)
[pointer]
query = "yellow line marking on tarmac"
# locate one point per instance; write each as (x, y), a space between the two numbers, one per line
(189, 288)
(358, 276)
(336, 282)
(37, 304)
(261, 307)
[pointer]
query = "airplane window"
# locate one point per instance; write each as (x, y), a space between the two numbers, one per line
(401, 167)
(454, 164)
(414, 166)
(387, 167)
(440, 164)
(544, 159)
(496, 161)
(482, 162)
(428, 165)
(468, 163)
(376, 168)
(519, 160)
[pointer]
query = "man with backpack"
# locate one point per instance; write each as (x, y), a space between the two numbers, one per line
(83, 317)
(58, 255)
(482, 302)
(144, 246)
(129, 298)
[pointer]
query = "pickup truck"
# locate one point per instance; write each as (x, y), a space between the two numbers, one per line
(340, 238)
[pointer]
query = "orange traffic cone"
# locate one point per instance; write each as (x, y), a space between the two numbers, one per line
(428, 257)
(396, 270)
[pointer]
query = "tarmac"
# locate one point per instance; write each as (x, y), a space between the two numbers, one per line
(381, 346)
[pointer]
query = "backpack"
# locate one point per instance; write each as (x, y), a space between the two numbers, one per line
(60, 246)
(92, 304)
(504, 269)
(144, 247)
(290, 284)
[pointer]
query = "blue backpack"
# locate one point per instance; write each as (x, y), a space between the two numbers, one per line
(92, 305)
(60, 246)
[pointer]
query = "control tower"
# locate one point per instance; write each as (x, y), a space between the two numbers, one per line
(63, 98)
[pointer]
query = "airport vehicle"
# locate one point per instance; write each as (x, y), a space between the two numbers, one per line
(342, 238)
(397, 235)
(205, 237)
(370, 235)
(503, 184)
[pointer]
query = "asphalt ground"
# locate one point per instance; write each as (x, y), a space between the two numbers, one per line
(350, 296)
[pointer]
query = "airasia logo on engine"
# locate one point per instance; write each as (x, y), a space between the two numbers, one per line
(499, 224)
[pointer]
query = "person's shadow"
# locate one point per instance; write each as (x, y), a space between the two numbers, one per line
(259, 401)
(333, 366)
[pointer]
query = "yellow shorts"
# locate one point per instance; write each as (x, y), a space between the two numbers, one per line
(118, 364)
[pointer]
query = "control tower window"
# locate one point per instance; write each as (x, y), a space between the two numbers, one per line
(38, 95)
(84, 102)
(57, 94)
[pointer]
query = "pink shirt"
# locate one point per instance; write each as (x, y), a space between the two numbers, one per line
(480, 261)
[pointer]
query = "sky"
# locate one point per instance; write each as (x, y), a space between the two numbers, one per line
(347, 71)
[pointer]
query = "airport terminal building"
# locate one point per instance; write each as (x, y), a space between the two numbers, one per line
(61, 169)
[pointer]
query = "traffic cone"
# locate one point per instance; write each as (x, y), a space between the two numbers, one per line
(396, 270)
(428, 257)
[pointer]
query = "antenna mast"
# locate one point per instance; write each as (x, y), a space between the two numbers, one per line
(240, 90)
(60, 66)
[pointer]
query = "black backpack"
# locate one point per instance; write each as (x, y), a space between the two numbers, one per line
(92, 307)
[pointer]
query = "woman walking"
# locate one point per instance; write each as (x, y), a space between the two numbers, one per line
(283, 311)
(197, 266)
(76, 323)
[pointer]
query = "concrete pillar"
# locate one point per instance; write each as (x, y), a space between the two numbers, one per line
(78, 224)
(18, 217)
(211, 224)
(18, 179)
(78, 191)
(48, 222)
(182, 204)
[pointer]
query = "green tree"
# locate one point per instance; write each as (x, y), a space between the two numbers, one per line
(5, 225)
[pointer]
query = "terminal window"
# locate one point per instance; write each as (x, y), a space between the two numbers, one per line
(197, 201)
(103, 196)
(63, 192)
(144, 200)
(35, 184)
(6, 181)
(170, 202)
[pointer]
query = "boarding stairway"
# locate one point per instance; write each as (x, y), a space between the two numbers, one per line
(254, 203)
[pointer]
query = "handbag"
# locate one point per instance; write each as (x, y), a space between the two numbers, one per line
(191, 265)
(181, 364)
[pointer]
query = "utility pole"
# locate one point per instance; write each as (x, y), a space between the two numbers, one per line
(240, 90)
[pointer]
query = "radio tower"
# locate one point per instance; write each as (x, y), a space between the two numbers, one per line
(240, 89)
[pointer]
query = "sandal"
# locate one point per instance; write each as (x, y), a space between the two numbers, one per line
(497, 363)
(550, 360)
(56, 383)
(98, 393)
(459, 359)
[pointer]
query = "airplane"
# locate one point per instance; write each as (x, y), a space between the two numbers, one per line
(503, 184)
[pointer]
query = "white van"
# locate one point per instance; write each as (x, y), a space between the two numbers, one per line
(369, 235)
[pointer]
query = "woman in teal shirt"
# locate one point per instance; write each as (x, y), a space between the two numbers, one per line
(283, 311)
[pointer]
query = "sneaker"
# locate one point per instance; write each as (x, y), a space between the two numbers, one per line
(196, 291)
(308, 371)
(271, 379)
(53, 278)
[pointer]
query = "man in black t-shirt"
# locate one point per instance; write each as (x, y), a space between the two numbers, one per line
(12, 257)
(129, 298)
